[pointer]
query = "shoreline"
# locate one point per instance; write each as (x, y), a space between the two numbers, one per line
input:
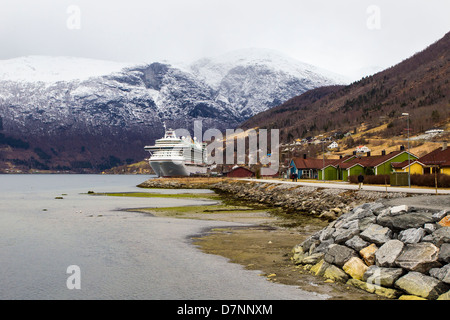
(267, 245)
(264, 245)
(325, 203)
(266, 250)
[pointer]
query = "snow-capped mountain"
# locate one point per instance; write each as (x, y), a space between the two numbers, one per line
(254, 80)
(214, 69)
(53, 69)
(63, 104)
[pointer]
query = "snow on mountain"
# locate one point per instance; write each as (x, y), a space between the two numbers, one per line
(214, 69)
(53, 69)
(254, 80)
(108, 108)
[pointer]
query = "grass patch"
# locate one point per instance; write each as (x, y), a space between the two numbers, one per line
(219, 208)
(196, 211)
(225, 205)
(228, 208)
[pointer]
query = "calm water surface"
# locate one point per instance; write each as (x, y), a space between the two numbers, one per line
(121, 255)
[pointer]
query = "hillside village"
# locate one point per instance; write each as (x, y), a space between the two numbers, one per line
(340, 157)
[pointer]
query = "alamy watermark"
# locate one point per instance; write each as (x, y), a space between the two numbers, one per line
(232, 149)
(373, 21)
(73, 21)
(74, 280)
(374, 280)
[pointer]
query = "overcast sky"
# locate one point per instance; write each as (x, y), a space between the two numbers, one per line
(344, 36)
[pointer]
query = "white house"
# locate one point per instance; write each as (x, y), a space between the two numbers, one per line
(362, 149)
(334, 145)
(435, 131)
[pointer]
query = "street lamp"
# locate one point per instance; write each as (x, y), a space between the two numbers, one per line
(409, 161)
(323, 158)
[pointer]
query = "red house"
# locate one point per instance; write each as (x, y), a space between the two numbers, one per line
(269, 173)
(240, 172)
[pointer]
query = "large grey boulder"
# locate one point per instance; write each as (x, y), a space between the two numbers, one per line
(429, 227)
(322, 247)
(384, 277)
(386, 255)
(358, 214)
(438, 216)
(314, 239)
(326, 233)
(341, 235)
(356, 243)
(374, 207)
(442, 274)
(420, 257)
(404, 220)
(444, 253)
(365, 222)
(418, 284)
(441, 235)
(412, 235)
(353, 224)
(339, 254)
(376, 234)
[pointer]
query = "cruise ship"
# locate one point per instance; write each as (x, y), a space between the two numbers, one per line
(173, 156)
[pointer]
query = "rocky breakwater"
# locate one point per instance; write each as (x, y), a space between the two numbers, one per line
(325, 203)
(395, 252)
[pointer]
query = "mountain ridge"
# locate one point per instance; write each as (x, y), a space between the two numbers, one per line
(92, 122)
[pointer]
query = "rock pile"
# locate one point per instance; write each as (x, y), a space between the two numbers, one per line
(325, 203)
(395, 252)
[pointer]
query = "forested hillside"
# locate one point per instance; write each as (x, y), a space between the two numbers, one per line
(418, 86)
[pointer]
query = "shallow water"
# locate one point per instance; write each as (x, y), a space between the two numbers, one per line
(120, 254)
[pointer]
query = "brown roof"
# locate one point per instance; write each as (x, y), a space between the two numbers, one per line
(347, 161)
(240, 168)
(404, 164)
(337, 162)
(268, 172)
(366, 161)
(437, 157)
(310, 163)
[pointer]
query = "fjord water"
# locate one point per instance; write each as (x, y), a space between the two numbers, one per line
(120, 254)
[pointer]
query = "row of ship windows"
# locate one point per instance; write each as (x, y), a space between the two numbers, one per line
(177, 153)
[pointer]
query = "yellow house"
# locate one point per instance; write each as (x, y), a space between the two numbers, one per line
(416, 166)
(446, 170)
(438, 159)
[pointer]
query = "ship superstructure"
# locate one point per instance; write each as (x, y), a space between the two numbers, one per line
(177, 156)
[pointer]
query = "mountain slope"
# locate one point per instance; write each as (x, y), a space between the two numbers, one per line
(53, 69)
(418, 86)
(70, 113)
(255, 80)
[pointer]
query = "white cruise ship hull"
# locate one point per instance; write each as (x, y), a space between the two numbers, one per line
(176, 169)
(170, 168)
(156, 166)
(173, 157)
